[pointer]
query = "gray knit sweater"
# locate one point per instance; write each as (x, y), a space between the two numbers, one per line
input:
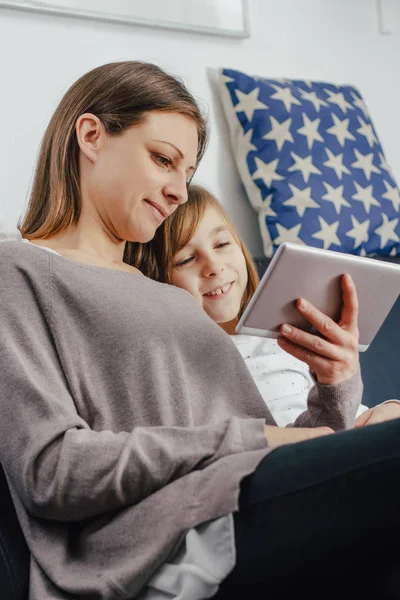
(126, 418)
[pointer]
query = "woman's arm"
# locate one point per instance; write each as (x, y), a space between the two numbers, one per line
(58, 466)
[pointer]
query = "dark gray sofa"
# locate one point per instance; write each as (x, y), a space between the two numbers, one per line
(381, 373)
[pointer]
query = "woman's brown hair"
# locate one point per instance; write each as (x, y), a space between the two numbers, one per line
(119, 94)
(155, 258)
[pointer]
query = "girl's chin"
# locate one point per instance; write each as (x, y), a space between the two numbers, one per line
(223, 318)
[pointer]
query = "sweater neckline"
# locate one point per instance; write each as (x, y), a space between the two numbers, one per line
(81, 263)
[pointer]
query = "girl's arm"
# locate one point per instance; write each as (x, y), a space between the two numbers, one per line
(333, 357)
(333, 406)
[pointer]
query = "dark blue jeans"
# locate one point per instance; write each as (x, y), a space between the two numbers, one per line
(321, 517)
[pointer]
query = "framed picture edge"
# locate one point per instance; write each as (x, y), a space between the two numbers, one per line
(41, 7)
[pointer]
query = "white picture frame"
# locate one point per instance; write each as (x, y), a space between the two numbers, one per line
(216, 17)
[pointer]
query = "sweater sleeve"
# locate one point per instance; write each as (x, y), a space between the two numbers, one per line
(333, 406)
(61, 468)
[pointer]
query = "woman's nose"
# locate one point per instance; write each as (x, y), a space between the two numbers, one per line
(176, 191)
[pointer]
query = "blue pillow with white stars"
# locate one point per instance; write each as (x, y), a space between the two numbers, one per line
(312, 164)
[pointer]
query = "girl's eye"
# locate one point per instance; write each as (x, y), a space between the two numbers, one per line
(222, 244)
(164, 161)
(184, 262)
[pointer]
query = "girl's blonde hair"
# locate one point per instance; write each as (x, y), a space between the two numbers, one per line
(155, 258)
(119, 94)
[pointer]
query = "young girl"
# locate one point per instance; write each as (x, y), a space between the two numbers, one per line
(198, 249)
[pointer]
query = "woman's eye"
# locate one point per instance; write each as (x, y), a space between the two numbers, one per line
(164, 161)
(222, 244)
(184, 262)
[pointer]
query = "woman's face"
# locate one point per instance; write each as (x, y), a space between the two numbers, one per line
(212, 268)
(138, 178)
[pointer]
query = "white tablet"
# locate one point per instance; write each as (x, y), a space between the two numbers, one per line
(298, 271)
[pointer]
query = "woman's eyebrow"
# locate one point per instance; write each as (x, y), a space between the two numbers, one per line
(178, 150)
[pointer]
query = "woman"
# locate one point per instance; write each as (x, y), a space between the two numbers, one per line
(126, 430)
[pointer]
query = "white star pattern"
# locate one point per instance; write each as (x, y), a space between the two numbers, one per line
(327, 233)
(245, 143)
(288, 235)
(248, 103)
(339, 99)
(266, 171)
(310, 131)
(309, 150)
(312, 97)
(360, 104)
(392, 194)
(335, 162)
(365, 162)
(340, 129)
(365, 195)
(335, 195)
(285, 95)
(305, 165)
(359, 232)
(301, 199)
(266, 209)
(226, 78)
(387, 231)
(367, 131)
(279, 132)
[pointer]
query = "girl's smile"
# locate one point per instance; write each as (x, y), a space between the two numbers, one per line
(220, 292)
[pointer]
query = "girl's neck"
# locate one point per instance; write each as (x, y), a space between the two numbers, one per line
(229, 327)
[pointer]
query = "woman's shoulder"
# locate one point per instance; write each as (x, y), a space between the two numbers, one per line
(18, 257)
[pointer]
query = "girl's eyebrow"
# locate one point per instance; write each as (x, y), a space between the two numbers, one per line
(178, 151)
(218, 230)
(213, 232)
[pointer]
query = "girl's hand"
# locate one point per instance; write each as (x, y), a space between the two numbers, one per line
(383, 412)
(279, 436)
(334, 357)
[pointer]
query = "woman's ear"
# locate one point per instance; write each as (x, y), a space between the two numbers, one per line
(90, 134)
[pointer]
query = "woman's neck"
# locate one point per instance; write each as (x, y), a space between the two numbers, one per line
(88, 240)
(90, 245)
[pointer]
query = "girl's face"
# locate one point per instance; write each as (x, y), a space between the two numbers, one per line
(212, 268)
(133, 181)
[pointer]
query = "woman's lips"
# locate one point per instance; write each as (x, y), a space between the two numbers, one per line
(157, 211)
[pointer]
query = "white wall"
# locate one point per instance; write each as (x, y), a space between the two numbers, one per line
(336, 40)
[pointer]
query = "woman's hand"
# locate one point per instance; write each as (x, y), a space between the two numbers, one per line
(333, 356)
(278, 436)
(383, 412)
